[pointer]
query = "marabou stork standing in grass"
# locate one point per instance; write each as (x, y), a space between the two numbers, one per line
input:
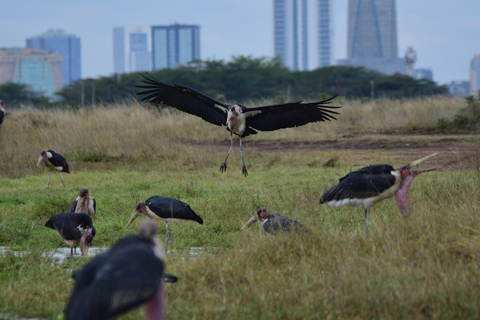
(272, 223)
(240, 120)
(167, 210)
(54, 162)
(76, 228)
(84, 203)
(2, 113)
(369, 185)
(129, 274)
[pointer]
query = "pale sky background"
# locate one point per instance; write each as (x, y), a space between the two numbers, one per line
(445, 33)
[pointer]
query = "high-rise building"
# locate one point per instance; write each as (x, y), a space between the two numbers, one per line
(325, 32)
(175, 45)
(118, 50)
(422, 73)
(372, 36)
(291, 33)
(140, 57)
(459, 88)
(292, 39)
(57, 41)
(475, 75)
(39, 69)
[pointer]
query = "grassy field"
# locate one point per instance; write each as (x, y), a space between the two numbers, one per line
(422, 267)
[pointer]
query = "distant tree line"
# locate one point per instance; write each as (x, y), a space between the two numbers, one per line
(245, 78)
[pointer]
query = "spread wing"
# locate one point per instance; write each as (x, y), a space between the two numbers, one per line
(288, 115)
(363, 183)
(184, 99)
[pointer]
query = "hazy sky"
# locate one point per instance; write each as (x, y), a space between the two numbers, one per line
(445, 33)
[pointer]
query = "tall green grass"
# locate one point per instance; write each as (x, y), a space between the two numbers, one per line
(423, 267)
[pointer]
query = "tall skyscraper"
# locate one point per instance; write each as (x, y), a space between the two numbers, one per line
(39, 69)
(372, 36)
(291, 33)
(118, 50)
(475, 75)
(175, 45)
(325, 32)
(140, 57)
(372, 29)
(57, 41)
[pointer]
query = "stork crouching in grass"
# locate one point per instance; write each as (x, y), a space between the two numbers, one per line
(240, 120)
(75, 229)
(84, 203)
(54, 162)
(272, 223)
(167, 210)
(129, 274)
(369, 185)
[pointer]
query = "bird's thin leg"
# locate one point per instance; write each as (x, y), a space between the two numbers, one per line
(244, 168)
(61, 178)
(223, 167)
(367, 213)
(49, 173)
(168, 238)
(71, 251)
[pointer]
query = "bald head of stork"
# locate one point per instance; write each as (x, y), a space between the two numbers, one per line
(139, 209)
(84, 203)
(369, 185)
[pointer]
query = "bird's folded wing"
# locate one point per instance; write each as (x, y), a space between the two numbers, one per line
(185, 99)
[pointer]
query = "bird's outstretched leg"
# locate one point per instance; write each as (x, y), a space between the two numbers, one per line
(367, 213)
(168, 238)
(71, 251)
(61, 178)
(244, 168)
(48, 184)
(223, 167)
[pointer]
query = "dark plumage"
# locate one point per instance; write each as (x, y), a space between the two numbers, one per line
(75, 229)
(272, 223)
(129, 274)
(369, 185)
(240, 120)
(54, 162)
(167, 210)
(84, 203)
(2, 113)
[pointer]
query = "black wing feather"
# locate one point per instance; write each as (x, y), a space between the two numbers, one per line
(277, 222)
(184, 99)
(2, 115)
(66, 223)
(58, 160)
(288, 115)
(73, 206)
(165, 208)
(126, 276)
(361, 184)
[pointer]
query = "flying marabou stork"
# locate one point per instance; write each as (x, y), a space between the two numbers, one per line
(129, 274)
(272, 223)
(75, 229)
(54, 162)
(167, 210)
(84, 203)
(2, 113)
(369, 185)
(240, 120)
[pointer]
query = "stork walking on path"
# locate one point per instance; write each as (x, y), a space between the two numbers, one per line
(167, 210)
(272, 223)
(369, 185)
(240, 120)
(129, 274)
(84, 203)
(54, 162)
(75, 229)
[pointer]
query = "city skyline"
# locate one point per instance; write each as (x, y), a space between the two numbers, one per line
(233, 28)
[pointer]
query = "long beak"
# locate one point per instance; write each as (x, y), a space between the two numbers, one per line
(249, 222)
(39, 160)
(417, 162)
(85, 242)
(133, 217)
